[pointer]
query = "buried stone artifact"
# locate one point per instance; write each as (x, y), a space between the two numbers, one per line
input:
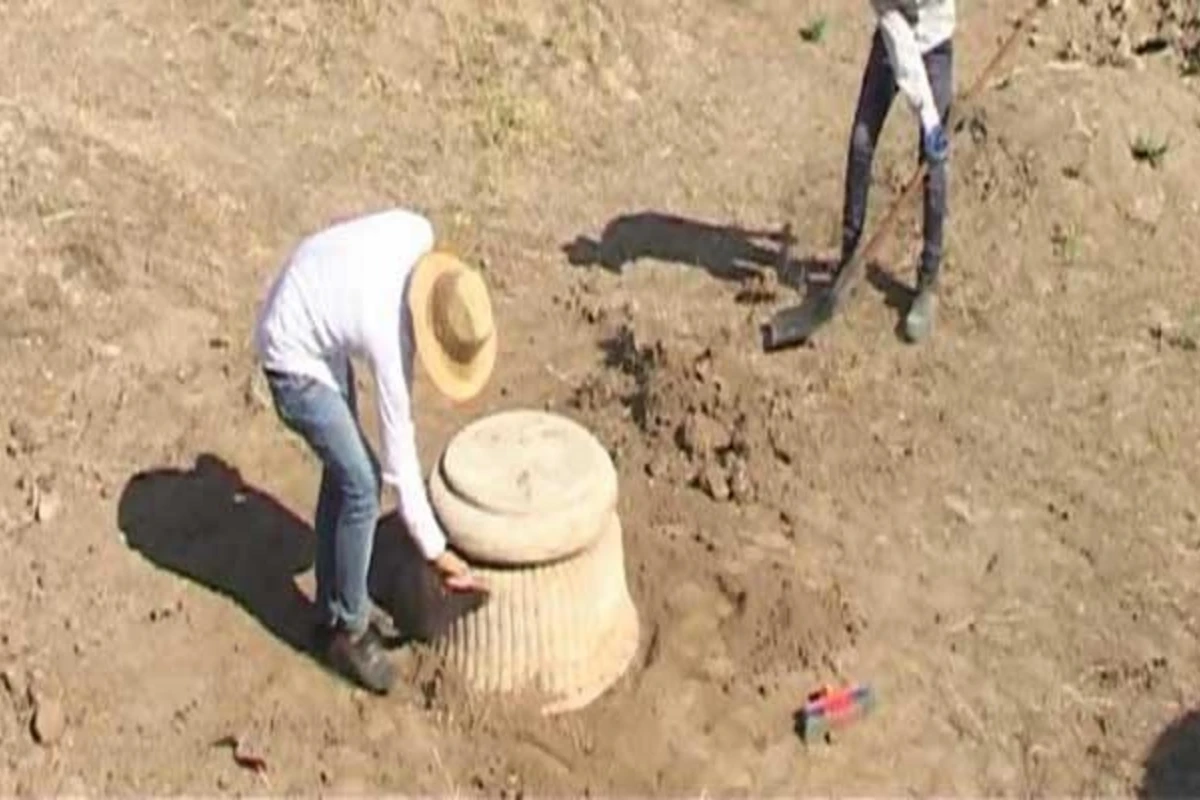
(530, 498)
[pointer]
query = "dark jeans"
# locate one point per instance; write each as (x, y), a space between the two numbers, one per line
(348, 505)
(874, 102)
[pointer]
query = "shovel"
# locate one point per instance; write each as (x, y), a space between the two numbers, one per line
(453, 603)
(422, 607)
(796, 325)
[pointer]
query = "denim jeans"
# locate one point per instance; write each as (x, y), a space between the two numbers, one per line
(348, 504)
(875, 100)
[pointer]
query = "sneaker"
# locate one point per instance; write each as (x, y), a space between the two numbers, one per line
(361, 658)
(918, 323)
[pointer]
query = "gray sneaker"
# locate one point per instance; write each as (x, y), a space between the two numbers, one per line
(360, 658)
(918, 323)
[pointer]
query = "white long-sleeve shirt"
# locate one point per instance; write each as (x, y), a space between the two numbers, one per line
(342, 293)
(910, 29)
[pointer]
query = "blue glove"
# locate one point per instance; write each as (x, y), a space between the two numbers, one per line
(937, 146)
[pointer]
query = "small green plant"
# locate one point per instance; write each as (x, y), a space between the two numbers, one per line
(814, 32)
(1150, 151)
(1185, 338)
(1191, 61)
(1066, 242)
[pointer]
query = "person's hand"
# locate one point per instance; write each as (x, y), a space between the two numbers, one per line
(936, 145)
(456, 575)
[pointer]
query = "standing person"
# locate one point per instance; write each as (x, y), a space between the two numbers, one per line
(912, 51)
(371, 287)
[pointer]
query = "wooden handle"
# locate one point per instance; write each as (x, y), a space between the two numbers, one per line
(846, 275)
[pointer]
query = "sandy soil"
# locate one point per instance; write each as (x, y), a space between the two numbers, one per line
(998, 530)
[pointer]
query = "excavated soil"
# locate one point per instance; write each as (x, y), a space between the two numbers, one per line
(997, 529)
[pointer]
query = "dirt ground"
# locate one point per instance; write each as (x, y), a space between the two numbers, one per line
(998, 529)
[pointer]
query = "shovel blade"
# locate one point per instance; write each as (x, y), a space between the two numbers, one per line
(422, 609)
(450, 606)
(796, 325)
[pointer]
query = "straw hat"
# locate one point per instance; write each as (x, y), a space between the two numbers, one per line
(452, 323)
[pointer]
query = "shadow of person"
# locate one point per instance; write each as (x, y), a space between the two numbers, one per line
(209, 526)
(726, 252)
(896, 295)
(1172, 768)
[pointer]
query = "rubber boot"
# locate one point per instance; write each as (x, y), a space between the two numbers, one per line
(918, 322)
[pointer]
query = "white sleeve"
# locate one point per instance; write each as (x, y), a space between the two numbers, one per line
(400, 466)
(907, 64)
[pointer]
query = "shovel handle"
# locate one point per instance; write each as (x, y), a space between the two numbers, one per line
(850, 272)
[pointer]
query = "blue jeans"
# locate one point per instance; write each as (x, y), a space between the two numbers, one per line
(875, 100)
(348, 504)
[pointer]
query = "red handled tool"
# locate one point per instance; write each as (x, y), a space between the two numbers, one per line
(829, 708)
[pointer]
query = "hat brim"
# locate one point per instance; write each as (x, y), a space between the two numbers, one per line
(457, 381)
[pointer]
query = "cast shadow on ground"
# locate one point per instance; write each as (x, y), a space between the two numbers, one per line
(726, 252)
(895, 294)
(209, 526)
(206, 524)
(1172, 768)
